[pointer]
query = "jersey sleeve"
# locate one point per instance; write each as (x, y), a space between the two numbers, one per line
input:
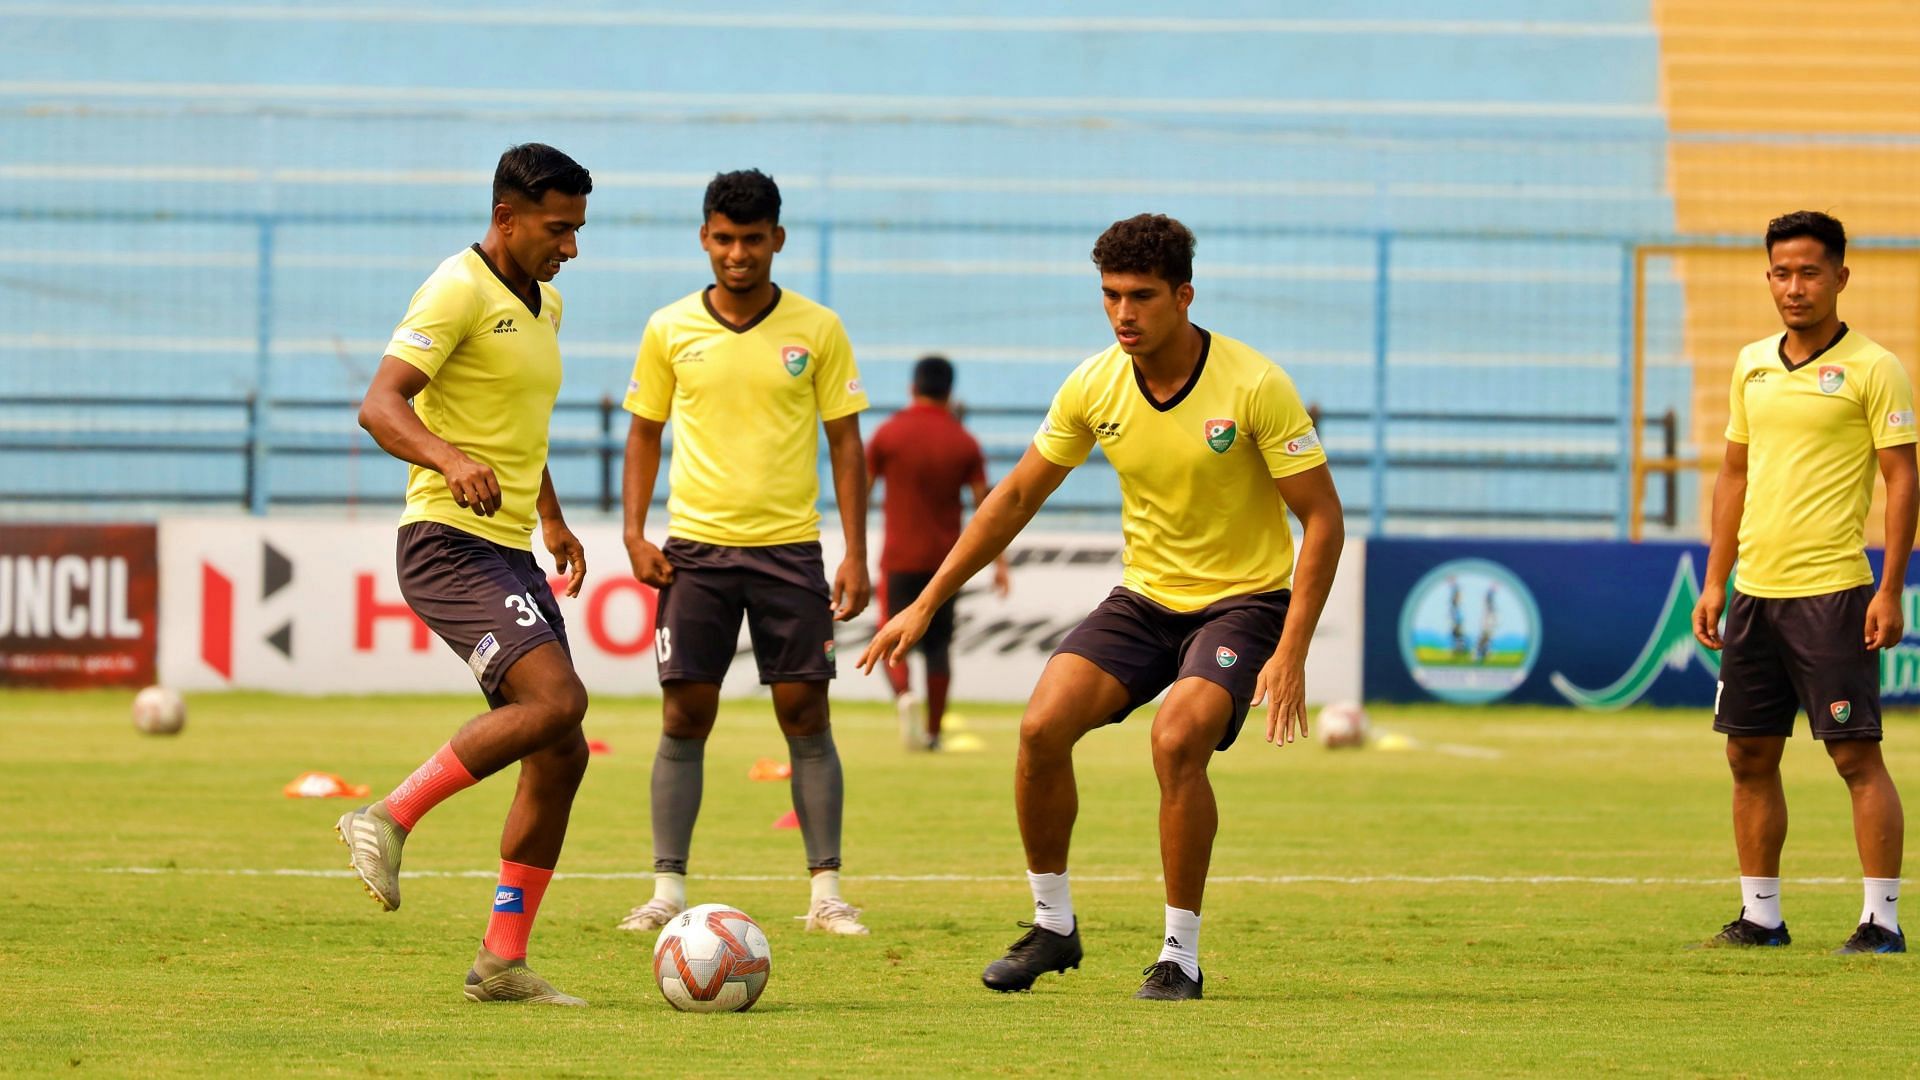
(1281, 428)
(650, 389)
(1737, 405)
(1889, 403)
(836, 380)
(438, 319)
(1065, 438)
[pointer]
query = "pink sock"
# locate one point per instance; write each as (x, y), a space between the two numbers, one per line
(515, 902)
(428, 787)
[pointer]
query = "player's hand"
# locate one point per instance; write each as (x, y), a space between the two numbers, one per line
(1002, 580)
(1706, 617)
(650, 565)
(851, 589)
(569, 556)
(896, 638)
(473, 485)
(1283, 689)
(1886, 623)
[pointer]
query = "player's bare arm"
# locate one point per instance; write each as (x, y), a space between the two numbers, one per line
(387, 416)
(1886, 622)
(852, 588)
(1002, 576)
(642, 468)
(1323, 530)
(569, 555)
(1729, 502)
(1006, 511)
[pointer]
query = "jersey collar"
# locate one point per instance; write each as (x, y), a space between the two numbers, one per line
(1817, 353)
(534, 307)
(706, 301)
(1193, 380)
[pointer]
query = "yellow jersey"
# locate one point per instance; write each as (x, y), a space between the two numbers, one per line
(494, 362)
(1199, 510)
(1812, 431)
(746, 404)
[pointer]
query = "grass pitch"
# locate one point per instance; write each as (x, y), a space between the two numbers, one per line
(1513, 893)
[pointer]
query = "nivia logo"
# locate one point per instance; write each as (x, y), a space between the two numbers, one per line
(508, 898)
(504, 326)
(1759, 375)
(1107, 429)
(417, 338)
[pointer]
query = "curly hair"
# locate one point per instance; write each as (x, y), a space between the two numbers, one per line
(1147, 244)
(745, 196)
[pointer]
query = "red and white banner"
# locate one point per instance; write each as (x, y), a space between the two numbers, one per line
(314, 607)
(77, 605)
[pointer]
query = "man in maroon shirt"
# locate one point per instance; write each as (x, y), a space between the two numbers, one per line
(926, 458)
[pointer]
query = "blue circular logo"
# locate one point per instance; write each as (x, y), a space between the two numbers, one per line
(1469, 631)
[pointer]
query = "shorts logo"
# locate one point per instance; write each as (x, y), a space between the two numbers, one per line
(1902, 418)
(1832, 378)
(508, 898)
(482, 655)
(795, 358)
(1225, 657)
(829, 652)
(1842, 711)
(1220, 435)
(417, 338)
(1304, 444)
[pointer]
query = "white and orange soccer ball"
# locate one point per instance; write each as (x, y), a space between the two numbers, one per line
(1342, 724)
(159, 710)
(712, 958)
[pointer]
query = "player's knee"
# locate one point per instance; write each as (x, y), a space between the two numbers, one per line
(1179, 746)
(563, 705)
(1857, 761)
(1046, 734)
(1751, 762)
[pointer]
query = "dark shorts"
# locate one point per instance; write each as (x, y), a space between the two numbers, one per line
(1804, 652)
(937, 643)
(1149, 648)
(782, 591)
(489, 603)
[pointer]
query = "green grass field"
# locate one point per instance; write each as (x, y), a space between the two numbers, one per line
(1514, 894)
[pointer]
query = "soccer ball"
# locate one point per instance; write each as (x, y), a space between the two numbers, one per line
(712, 958)
(158, 710)
(1342, 723)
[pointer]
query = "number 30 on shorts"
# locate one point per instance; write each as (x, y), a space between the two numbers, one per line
(529, 611)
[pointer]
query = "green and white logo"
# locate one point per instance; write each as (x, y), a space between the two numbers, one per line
(829, 652)
(1225, 657)
(1842, 711)
(1220, 435)
(1469, 631)
(1832, 378)
(795, 358)
(1671, 646)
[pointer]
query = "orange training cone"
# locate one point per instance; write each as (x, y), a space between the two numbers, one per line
(788, 820)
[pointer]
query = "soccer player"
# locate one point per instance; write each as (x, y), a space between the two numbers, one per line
(478, 356)
(927, 459)
(748, 372)
(1811, 413)
(1212, 446)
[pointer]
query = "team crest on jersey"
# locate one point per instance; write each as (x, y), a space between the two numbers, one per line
(795, 358)
(1225, 657)
(1832, 378)
(1842, 711)
(1220, 435)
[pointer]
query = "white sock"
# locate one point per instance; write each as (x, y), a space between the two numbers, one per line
(1183, 940)
(1760, 901)
(1883, 902)
(826, 885)
(1052, 901)
(670, 887)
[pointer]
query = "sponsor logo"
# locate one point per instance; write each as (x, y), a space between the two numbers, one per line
(794, 358)
(1225, 657)
(553, 317)
(483, 655)
(1173, 941)
(1670, 646)
(1842, 711)
(1304, 444)
(690, 356)
(633, 386)
(1757, 375)
(417, 338)
(1900, 418)
(854, 387)
(1469, 631)
(1046, 427)
(508, 898)
(1765, 896)
(505, 326)
(1832, 378)
(1220, 435)
(828, 649)
(1107, 429)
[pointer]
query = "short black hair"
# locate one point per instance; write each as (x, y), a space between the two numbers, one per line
(530, 170)
(1147, 244)
(933, 377)
(1822, 227)
(745, 196)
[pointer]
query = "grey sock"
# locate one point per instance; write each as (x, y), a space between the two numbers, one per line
(678, 771)
(819, 791)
